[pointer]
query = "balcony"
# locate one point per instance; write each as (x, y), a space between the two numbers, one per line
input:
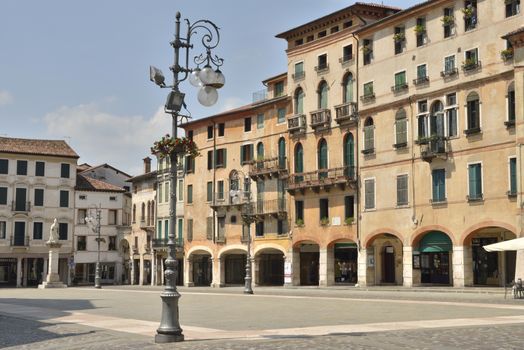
(421, 81)
(449, 72)
(346, 114)
(146, 224)
(322, 68)
(320, 119)
(20, 207)
(346, 60)
(436, 147)
(260, 96)
(296, 124)
(398, 88)
(19, 241)
(322, 179)
(298, 76)
(159, 243)
(270, 167)
(367, 97)
(274, 207)
(470, 66)
(228, 200)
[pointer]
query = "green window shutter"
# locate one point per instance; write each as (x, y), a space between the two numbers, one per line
(475, 181)
(209, 228)
(421, 71)
(348, 89)
(513, 175)
(242, 155)
(166, 229)
(224, 152)
(402, 190)
(209, 191)
(368, 137)
(299, 166)
(251, 152)
(369, 190)
(323, 98)
(159, 229)
(300, 102)
(401, 131)
(180, 232)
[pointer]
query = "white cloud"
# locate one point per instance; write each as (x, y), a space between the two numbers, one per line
(5, 97)
(100, 137)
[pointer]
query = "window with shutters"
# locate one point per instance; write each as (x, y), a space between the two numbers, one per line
(190, 164)
(64, 199)
(448, 22)
(349, 156)
(209, 132)
(247, 124)
(402, 190)
(399, 38)
(3, 229)
(322, 161)
(511, 105)
(209, 159)
(423, 120)
(420, 31)
(81, 243)
(322, 95)
(112, 217)
(299, 101)
(259, 228)
(65, 170)
(160, 193)
(39, 168)
(400, 82)
(166, 229)
(189, 194)
(369, 136)
(472, 114)
(39, 197)
(347, 87)
(21, 167)
(349, 207)
(367, 51)
(180, 231)
(512, 177)
(221, 129)
(260, 121)
(38, 230)
(220, 190)
(438, 185)
(279, 89)
(475, 182)
(281, 115)
(4, 166)
(369, 92)
(299, 71)
(189, 229)
(220, 158)
(166, 192)
(323, 206)
(62, 231)
(209, 228)
(401, 129)
(347, 53)
(299, 212)
(209, 196)
(246, 154)
(451, 115)
(449, 66)
(3, 195)
(369, 194)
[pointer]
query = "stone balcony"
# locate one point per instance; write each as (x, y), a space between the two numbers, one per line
(433, 148)
(268, 167)
(296, 124)
(320, 119)
(346, 114)
(322, 179)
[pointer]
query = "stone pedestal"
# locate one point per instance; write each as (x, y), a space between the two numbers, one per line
(52, 278)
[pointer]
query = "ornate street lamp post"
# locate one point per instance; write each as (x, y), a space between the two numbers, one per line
(207, 80)
(94, 224)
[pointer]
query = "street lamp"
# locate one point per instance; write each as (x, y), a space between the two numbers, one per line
(94, 225)
(248, 217)
(208, 80)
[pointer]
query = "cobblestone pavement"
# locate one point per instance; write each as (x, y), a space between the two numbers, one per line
(126, 318)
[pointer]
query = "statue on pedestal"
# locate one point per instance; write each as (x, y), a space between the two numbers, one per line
(53, 233)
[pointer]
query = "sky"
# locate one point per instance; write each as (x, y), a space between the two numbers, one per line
(79, 70)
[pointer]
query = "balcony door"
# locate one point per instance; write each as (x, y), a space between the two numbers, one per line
(20, 199)
(282, 153)
(19, 237)
(322, 158)
(349, 156)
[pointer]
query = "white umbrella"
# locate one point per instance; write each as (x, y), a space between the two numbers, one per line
(512, 244)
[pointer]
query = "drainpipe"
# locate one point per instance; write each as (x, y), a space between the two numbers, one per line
(412, 137)
(357, 143)
(214, 178)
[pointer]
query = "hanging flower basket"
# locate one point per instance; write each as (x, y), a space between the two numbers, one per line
(168, 145)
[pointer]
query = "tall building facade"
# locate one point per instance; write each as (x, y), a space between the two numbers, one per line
(37, 182)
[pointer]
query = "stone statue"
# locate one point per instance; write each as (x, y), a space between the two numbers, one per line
(53, 233)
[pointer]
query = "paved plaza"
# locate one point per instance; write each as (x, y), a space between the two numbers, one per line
(273, 318)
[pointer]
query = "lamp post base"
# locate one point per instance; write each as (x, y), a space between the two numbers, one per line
(168, 338)
(169, 330)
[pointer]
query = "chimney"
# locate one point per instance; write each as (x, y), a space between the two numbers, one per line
(147, 165)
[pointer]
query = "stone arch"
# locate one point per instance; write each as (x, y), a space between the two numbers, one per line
(260, 248)
(306, 239)
(371, 237)
(418, 234)
(485, 224)
(193, 250)
(232, 247)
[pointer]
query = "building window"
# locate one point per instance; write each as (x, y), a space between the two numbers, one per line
(401, 129)
(64, 199)
(209, 197)
(209, 132)
(322, 62)
(436, 120)
(247, 124)
(471, 60)
(422, 74)
(190, 135)
(299, 101)
(439, 185)
(4, 166)
(420, 31)
(472, 113)
(81, 243)
(470, 14)
(402, 190)
(259, 228)
(333, 29)
(160, 193)
(209, 228)
(400, 82)
(475, 181)
(347, 53)
(448, 20)
(512, 7)
(299, 212)
(112, 243)
(322, 95)
(281, 227)
(112, 198)
(279, 89)
(190, 164)
(180, 230)
(299, 71)
(166, 192)
(62, 231)
(180, 190)
(310, 38)
(348, 24)
(347, 86)
(220, 158)
(369, 136)
(369, 194)
(21, 167)
(3, 195)
(512, 176)
(82, 197)
(134, 213)
(449, 66)
(39, 168)
(3, 229)
(220, 189)
(299, 42)
(189, 229)
(349, 207)
(159, 229)
(189, 194)
(81, 216)
(399, 38)
(321, 34)
(221, 129)
(368, 90)
(112, 217)
(64, 170)
(246, 154)
(451, 115)
(281, 115)
(166, 228)
(260, 121)
(422, 120)
(39, 197)
(38, 230)
(511, 104)
(367, 51)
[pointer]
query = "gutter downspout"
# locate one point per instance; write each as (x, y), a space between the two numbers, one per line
(412, 125)
(214, 179)
(357, 143)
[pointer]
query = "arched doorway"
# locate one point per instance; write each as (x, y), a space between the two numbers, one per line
(435, 249)
(202, 268)
(270, 266)
(386, 252)
(345, 259)
(234, 267)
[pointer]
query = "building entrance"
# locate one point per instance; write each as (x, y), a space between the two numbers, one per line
(202, 270)
(7, 272)
(485, 264)
(346, 263)
(434, 268)
(235, 268)
(271, 269)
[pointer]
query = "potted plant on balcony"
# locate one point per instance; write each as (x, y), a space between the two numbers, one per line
(399, 37)
(419, 29)
(506, 54)
(324, 221)
(468, 12)
(469, 63)
(366, 49)
(448, 20)
(349, 220)
(168, 145)
(299, 222)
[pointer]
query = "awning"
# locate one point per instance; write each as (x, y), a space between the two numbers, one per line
(435, 242)
(512, 244)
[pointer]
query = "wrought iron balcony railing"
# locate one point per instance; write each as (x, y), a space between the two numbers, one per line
(268, 167)
(421, 80)
(449, 72)
(435, 147)
(231, 198)
(322, 178)
(274, 207)
(346, 114)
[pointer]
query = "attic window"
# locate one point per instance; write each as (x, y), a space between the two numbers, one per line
(299, 42)
(348, 24)
(321, 34)
(334, 29)
(310, 38)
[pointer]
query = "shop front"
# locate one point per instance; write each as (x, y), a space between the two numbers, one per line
(7, 272)
(346, 255)
(434, 258)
